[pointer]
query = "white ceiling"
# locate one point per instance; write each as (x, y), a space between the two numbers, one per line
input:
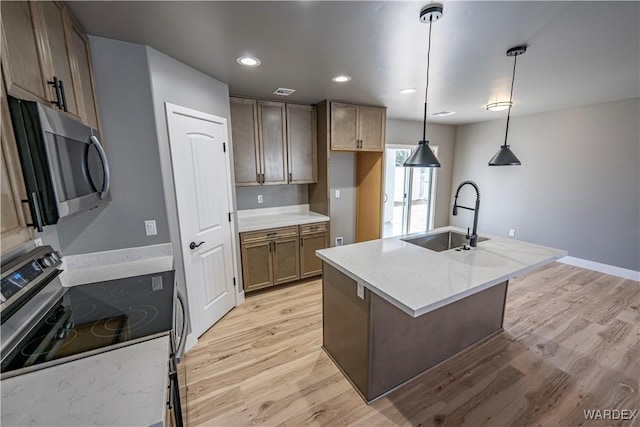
(579, 53)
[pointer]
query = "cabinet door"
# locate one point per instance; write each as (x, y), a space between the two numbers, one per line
(302, 144)
(371, 128)
(286, 260)
(310, 264)
(344, 129)
(246, 151)
(78, 44)
(21, 59)
(13, 228)
(257, 265)
(272, 136)
(53, 30)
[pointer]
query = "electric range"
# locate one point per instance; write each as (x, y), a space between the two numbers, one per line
(83, 320)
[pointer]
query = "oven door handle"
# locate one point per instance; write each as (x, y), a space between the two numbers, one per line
(105, 166)
(185, 324)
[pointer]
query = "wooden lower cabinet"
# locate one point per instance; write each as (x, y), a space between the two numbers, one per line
(275, 256)
(286, 260)
(257, 265)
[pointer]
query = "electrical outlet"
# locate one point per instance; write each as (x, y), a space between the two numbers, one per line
(260, 199)
(512, 232)
(38, 241)
(337, 194)
(150, 227)
(360, 291)
(339, 241)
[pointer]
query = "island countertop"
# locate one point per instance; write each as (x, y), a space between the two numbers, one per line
(418, 280)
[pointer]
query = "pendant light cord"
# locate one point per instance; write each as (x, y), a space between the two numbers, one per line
(513, 78)
(426, 91)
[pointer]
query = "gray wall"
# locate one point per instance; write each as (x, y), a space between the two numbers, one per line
(123, 91)
(577, 188)
(342, 176)
(272, 196)
(444, 137)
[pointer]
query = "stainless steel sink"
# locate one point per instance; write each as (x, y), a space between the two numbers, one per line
(441, 241)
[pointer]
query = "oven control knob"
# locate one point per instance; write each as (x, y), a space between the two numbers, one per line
(54, 256)
(58, 255)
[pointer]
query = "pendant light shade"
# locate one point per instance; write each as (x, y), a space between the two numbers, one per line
(422, 156)
(505, 157)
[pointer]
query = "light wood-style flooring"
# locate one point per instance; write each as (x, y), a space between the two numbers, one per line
(571, 342)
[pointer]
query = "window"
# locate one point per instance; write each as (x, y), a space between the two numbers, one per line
(409, 194)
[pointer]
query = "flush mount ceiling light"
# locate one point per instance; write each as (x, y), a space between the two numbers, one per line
(504, 156)
(422, 156)
(499, 106)
(248, 61)
(341, 79)
(443, 113)
(408, 91)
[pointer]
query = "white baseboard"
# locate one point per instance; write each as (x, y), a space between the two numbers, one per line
(602, 268)
(191, 341)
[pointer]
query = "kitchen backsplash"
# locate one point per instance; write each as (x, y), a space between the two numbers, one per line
(272, 196)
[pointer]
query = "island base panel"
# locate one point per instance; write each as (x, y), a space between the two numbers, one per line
(379, 347)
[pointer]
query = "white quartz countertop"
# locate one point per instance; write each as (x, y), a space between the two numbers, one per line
(126, 386)
(418, 280)
(261, 219)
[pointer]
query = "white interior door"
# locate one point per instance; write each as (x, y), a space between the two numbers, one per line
(201, 167)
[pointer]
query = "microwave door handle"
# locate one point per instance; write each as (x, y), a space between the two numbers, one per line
(105, 167)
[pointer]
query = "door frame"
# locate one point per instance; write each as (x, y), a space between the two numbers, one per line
(176, 238)
(408, 184)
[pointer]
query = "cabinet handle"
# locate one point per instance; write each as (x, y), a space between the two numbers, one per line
(290, 177)
(258, 178)
(270, 244)
(56, 86)
(64, 97)
(301, 242)
(274, 246)
(263, 178)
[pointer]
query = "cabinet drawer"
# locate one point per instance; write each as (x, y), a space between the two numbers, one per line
(319, 227)
(271, 233)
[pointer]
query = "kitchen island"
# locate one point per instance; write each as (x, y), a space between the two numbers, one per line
(393, 309)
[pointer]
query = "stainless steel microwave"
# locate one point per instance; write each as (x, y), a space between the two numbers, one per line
(64, 166)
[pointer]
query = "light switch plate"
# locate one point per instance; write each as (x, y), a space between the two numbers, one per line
(38, 241)
(150, 227)
(360, 291)
(337, 194)
(260, 199)
(512, 232)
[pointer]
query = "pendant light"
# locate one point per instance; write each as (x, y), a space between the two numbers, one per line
(504, 156)
(422, 156)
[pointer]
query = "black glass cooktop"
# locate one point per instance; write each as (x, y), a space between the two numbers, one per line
(97, 317)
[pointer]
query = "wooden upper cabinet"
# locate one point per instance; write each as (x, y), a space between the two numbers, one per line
(344, 126)
(357, 128)
(273, 142)
(371, 128)
(83, 74)
(246, 149)
(272, 137)
(53, 30)
(14, 230)
(22, 64)
(42, 43)
(302, 144)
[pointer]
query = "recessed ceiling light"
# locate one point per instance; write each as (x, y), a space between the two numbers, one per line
(499, 106)
(248, 61)
(443, 113)
(341, 79)
(408, 91)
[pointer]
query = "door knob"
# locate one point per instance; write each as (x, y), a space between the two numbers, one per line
(193, 245)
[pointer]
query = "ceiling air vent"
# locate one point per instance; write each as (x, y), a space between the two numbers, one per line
(283, 91)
